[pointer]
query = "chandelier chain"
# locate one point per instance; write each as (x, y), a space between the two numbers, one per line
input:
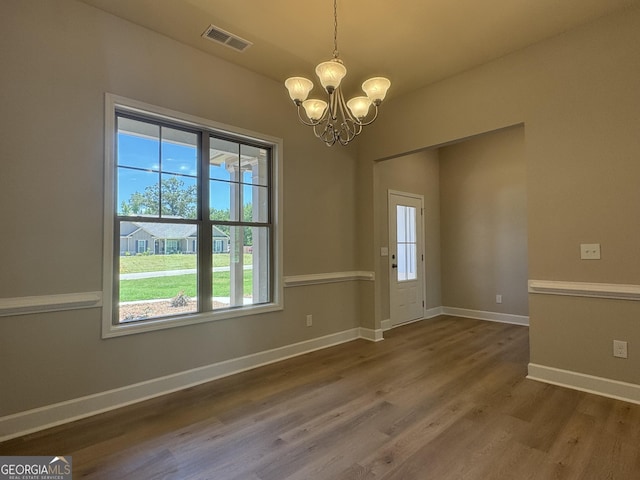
(335, 29)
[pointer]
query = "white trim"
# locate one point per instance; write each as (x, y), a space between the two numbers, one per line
(628, 392)
(115, 102)
(371, 334)
(433, 312)
(584, 289)
(333, 277)
(489, 316)
(30, 421)
(429, 313)
(421, 239)
(49, 303)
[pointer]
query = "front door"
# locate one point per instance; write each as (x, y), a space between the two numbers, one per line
(406, 257)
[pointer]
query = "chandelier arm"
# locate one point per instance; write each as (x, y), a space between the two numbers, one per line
(349, 126)
(327, 135)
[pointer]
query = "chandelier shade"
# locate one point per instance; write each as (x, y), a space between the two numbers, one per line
(299, 88)
(336, 120)
(359, 106)
(376, 89)
(314, 108)
(331, 74)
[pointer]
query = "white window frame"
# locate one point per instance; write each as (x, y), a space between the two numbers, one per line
(115, 103)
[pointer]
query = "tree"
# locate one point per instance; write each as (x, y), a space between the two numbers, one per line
(177, 200)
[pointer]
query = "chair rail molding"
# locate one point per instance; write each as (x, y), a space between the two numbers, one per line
(332, 277)
(616, 291)
(49, 303)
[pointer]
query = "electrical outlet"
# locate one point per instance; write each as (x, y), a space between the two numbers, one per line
(498, 298)
(309, 320)
(590, 251)
(619, 349)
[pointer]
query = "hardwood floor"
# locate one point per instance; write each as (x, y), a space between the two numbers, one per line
(440, 399)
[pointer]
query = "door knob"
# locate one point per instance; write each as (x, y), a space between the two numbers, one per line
(393, 265)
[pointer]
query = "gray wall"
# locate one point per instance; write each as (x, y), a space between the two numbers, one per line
(484, 223)
(578, 98)
(416, 173)
(58, 59)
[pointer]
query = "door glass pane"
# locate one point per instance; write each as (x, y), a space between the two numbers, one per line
(401, 223)
(402, 262)
(157, 270)
(411, 224)
(411, 261)
(406, 242)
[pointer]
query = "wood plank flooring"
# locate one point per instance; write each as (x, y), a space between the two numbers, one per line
(440, 399)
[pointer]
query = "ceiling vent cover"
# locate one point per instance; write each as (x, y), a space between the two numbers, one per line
(218, 35)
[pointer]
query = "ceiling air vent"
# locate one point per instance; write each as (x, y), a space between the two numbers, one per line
(219, 35)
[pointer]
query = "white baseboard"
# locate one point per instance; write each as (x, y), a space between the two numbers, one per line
(628, 392)
(430, 313)
(30, 421)
(433, 312)
(371, 334)
(489, 316)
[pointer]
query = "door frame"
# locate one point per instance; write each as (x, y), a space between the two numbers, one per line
(421, 253)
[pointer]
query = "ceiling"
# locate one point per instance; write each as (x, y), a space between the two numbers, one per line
(412, 42)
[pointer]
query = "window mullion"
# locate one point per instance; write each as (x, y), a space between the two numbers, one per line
(205, 248)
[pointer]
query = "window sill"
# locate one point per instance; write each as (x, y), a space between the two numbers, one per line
(142, 326)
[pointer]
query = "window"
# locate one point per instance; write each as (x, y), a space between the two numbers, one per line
(407, 243)
(191, 222)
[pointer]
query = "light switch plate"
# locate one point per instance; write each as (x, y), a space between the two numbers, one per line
(384, 251)
(590, 251)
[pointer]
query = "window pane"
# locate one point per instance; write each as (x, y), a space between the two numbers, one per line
(179, 196)
(241, 274)
(223, 158)
(256, 264)
(138, 144)
(137, 192)
(254, 165)
(256, 203)
(220, 197)
(157, 270)
(179, 152)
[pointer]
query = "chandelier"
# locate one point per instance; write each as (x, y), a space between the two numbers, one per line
(335, 120)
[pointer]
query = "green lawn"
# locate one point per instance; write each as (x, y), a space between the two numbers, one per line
(168, 287)
(158, 263)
